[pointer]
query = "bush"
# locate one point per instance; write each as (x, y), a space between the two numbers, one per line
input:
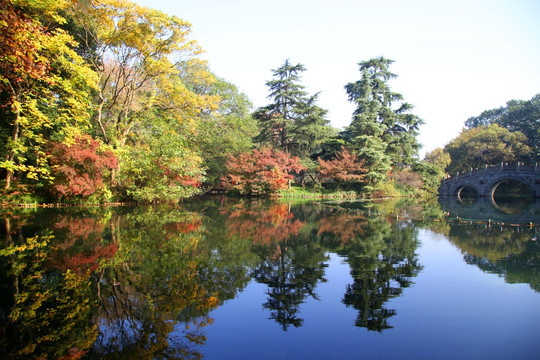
(261, 172)
(78, 169)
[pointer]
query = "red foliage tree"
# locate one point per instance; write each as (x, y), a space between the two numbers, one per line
(261, 172)
(346, 167)
(78, 169)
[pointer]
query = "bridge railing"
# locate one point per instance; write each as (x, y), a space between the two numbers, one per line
(493, 169)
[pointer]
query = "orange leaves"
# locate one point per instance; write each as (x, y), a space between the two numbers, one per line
(346, 167)
(261, 172)
(79, 168)
(19, 45)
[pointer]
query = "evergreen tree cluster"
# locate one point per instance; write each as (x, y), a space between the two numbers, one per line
(382, 134)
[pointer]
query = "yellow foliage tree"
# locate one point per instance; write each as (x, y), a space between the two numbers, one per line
(141, 56)
(45, 84)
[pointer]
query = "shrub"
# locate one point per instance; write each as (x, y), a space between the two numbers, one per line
(261, 172)
(78, 169)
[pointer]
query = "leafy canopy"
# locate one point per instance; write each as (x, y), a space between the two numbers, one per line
(486, 145)
(517, 115)
(45, 89)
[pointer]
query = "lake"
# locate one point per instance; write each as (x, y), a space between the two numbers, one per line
(221, 278)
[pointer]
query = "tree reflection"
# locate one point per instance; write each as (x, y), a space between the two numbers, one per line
(106, 285)
(46, 313)
(291, 261)
(381, 254)
(80, 243)
(141, 282)
(510, 252)
(153, 304)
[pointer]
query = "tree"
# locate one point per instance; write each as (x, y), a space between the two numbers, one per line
(439, 158)
(276, 118)
(346, 167)
(78, 169)
(160, 164)
(261, 172)
(486, 145)
(311, 129)
(517, 115)
(226, 130)
(293, 122)
(431, 175)
(433, 169)
(45, 89)
(383, 130)
(153, 93)
(141, 56)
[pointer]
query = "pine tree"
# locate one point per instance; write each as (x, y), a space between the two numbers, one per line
(287, 94)
(383, 131)
(293, 122)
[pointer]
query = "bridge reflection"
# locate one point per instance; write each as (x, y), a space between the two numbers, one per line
(512, 210)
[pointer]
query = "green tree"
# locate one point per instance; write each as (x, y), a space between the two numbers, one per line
(439, 158)
(159, 163)
(293, 122)
(432, 169)
(383, 130)
(287, 94)
(311, 129)
(153, 91)
(226, 130)
(517, 115)
(486, 145)
(431, 175)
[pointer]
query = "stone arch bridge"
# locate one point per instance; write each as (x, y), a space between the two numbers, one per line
(486, 180)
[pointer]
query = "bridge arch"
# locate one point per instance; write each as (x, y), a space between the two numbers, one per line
(486, 180)
(460, 191)
(493, 187)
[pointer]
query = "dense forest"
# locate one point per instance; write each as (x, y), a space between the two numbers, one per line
(109, 101)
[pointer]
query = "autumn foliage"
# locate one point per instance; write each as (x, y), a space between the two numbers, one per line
(19, 54)
(346, 167)
(261, 172)
(78, 169)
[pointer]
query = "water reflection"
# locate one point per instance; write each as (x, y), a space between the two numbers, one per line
(108, 286)
(290, 261)
(513, 205)
(511, 252)
(504, 209)
(142, 282)
(382, 258)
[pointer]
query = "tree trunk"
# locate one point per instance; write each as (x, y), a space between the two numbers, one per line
(99, 118)
(11, 154)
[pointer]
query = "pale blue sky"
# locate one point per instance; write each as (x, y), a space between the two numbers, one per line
(454, 58)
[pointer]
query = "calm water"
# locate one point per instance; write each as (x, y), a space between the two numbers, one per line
(230, 279)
